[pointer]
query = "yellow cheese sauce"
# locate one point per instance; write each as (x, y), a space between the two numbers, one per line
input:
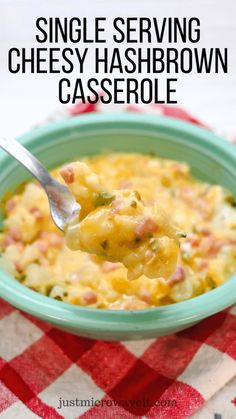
(119, 227)
(35, 252)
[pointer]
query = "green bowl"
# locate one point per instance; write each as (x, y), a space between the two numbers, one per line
(211, 159)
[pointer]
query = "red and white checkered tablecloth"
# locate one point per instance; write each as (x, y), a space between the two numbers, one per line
(51, 374)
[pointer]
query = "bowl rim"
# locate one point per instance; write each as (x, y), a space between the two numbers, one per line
(184, 312)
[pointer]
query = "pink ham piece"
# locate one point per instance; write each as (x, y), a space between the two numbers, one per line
(145, 296)
(15, 233)
(110, 266)
(37, 213)
(179, 168)
(53, 239)
(149, 254)
(177, 277)
(194, 240)
(20, 246)
(146, 225)
(41, 245)
(18, 267)
(90, 297)
(8, 240)
(125, 184)
(115, 206)
(205, 232)
(67, 173)
(212, 246)
(203, 264)
(10, 205)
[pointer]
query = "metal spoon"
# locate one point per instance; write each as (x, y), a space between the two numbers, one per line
(62, 203)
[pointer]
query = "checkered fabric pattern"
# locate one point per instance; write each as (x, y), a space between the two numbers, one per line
(51, 374)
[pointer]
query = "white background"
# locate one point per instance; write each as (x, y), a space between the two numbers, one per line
(27, 99)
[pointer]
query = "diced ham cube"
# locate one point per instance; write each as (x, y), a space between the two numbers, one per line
(67, 173)
(53, 239)
(115, 206)
(177, 277)
(15, 233)
(110, 266)
(10, 205)
(208, 245)
(90, 297)
(205, 232)
(179, 168)
(8, 240)
(201, 207)
(37, 213)
(20, 246)
(145, 296)
(18, 266)
(41, 245)
(194, 240)
(125, 184)
(203, 264)
(146, 225)
(134, 305)
(211, 246)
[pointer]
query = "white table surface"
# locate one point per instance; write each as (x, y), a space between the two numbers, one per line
(27, 99)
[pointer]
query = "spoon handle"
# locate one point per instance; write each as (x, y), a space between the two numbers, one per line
(20, 153)
(61, 201)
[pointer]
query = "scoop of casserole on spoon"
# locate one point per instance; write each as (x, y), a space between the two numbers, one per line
(116, 226)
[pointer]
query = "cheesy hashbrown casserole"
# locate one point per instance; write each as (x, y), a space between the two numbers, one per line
(34, 251)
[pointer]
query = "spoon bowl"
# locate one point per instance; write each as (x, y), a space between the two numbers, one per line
(63, 206)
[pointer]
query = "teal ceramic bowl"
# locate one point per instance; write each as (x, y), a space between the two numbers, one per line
(211, 159)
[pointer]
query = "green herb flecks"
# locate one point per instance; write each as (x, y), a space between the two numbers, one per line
(211, 281)
(230, 200)
(154, 245)
(181, 235)
(133, 204)
(105, 244)
(137, 240)
(103, 198)
(137, 195)
(58, 297)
